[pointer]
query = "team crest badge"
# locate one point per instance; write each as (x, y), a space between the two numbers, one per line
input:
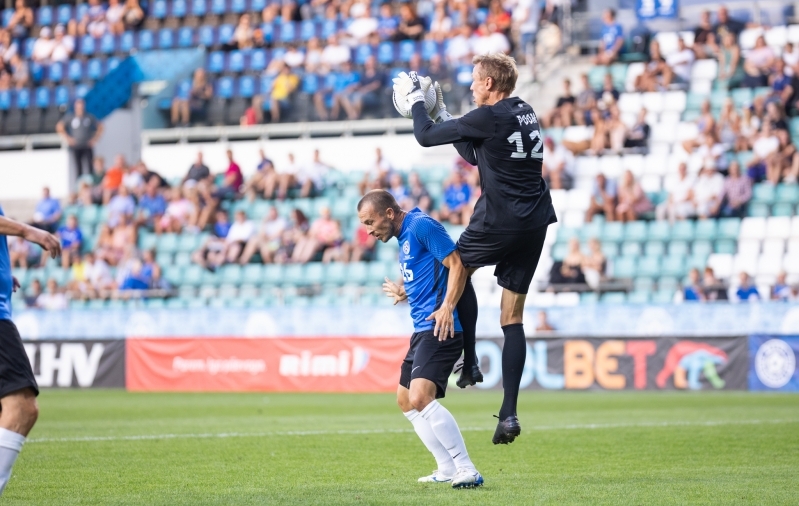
(406, 248)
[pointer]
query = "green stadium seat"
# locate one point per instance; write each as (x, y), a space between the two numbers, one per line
(591, 230)
(294, 274)
(702, 247)
(182, 259)
(172, 274)
(378, 271)
(315, 273)
(260, 208)
(155, 303)
(654, 248)
(788, 193)
(663, 297)
(728, 228)
(683, 230)
(659, 231)
(88, 215)
(273, 274)
(726, 246)
(252, 273)
(387, 253)
(631, 248)
(678, 248)
(341, 209)
(691, 115)
(304, 205)
(644, 283)
(188, 243)
(669, 283)
(236, 303)
(298, 301)
(559, 251)
(717, 99)
(744, 157)
(589, 298)
(635, 231)
(335, 273)
(228, 291)
(649, 266)
(357, 273)
(613, 231)
(742, 97)
(262, 302)
(210, 278)
(639, 297)
(175, 303)
(193, 275)
(147, 240)
(167, 243)
(618, 72)
(321, 203)
(758, 210)
(217, 302)
(230, 274)
(78, 304)
(782, 209)
(197, 303)
(208, 291)
(624, 267)
(764, 193)
(610, 249)
(596, 76)
(762, 91)
(693, 101)
(613, 298)
(249, 291)
(697, 261)
(705, 229)
(673, 266)
(163, 258)
(566, 233)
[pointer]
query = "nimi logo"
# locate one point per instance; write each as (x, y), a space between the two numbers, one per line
(72, 358)
(345, 363)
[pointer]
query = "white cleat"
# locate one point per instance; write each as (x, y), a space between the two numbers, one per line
(467, 478)
(436, 477)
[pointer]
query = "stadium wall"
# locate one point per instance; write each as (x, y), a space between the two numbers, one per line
(356, 364)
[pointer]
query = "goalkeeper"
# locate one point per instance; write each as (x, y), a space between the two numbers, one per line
(509, 224)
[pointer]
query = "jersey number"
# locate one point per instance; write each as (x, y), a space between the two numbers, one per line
(536, 153)
(407, 274)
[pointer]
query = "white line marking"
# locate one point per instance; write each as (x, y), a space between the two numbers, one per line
(221, 435)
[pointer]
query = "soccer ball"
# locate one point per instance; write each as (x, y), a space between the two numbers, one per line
(429, 103)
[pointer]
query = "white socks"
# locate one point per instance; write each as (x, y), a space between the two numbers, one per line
(446, 430)
(10, 446)
(422, 427)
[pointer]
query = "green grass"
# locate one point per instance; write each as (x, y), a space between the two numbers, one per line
(575, 448)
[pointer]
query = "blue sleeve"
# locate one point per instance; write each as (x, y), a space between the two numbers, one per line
(433, 236)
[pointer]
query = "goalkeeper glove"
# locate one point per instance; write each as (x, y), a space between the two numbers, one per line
(439, 112)
(411, 88)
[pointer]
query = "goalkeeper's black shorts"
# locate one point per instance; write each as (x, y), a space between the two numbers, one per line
(515, 255)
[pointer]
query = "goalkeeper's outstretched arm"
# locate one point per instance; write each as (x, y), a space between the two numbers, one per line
(477, 125)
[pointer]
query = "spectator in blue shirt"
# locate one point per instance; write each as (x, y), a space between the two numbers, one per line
(212, 253)
(746, 291)
(47, 213)
(692, 292)
(367, 94)
(456, 199)
(135, 279)
(120, 204)
(612, 41)
(387, 22)
(71, 242)
(152, 207)
(781, 83)
(603, 199)
(346, 81)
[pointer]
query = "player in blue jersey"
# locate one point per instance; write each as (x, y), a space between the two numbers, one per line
(434, 279)
(18, 388)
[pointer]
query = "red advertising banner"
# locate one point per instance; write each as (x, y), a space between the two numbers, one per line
(285, 365)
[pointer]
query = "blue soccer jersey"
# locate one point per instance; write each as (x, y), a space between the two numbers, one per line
(6, 283)
(424, 244)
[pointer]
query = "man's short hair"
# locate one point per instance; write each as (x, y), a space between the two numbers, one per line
(381, 200)
(499, 67)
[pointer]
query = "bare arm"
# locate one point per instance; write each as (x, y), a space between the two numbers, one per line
(97, 135)
(47, 241)
(456, 281)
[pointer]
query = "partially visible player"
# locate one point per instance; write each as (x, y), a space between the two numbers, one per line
(434, 278)
(18, 388)
(509, 224)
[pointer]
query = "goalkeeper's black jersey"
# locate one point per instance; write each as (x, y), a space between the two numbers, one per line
(504, 141)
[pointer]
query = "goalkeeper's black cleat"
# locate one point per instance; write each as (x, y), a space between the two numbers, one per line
(469, 376)
(507, 430)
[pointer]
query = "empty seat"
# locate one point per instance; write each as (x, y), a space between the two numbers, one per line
(753, 228)
(749, 247)
(778, 227)
(774, 247)
(721, 264)
(630, 103)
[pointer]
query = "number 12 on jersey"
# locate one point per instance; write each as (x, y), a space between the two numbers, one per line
(536, 153)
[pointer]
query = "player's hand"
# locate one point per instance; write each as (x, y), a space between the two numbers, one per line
(47, 241)
(395, 291)
(439, 113)
(15, 285)
(445, 323)
(411, 87)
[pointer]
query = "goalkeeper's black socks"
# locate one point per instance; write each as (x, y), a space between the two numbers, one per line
(467, 314)
(514, 353)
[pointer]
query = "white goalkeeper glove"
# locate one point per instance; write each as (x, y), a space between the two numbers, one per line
(439, 112)
(411, 88)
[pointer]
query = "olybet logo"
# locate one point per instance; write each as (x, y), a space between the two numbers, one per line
(345, 363)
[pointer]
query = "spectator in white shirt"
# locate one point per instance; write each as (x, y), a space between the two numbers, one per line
(113, 15)
(557, 166)
(63, 45)
(707, 191)
(52, 299)
(240, 232)
(43, 47)
(334, 53)
(679, 204)
(461, 47)
(294, 58)
(678, 65)
(267, 240)
(492, 40)
(363, 23)
(764, 148)
(441, 25)
(790, 55)
(311, 176)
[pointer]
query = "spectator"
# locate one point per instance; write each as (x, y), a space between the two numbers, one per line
(243, 34)
(585, 102)
(198, 174)
(711, 152)
(133, 15)
(765, 148)
(363, 24)
(735, 195)
(637, 137)
(707, 191)
(366, 93)
(283, 87)
(603, 199)
(135, 279)
(151, 208)
(543, 323)
(334, 53)
(705, 38)
(241, 231)
(775, 116)
(286, 178)
(19, 250)
(112, 179)
(410, 26)
(293, 57)
(571, 268)
(114, 17)
(53, 299)
(71, 241)
(558, 165)
(714, 289)
(680, 203)
(397, 187)
(324, 233)
(133, 180)
(180, 212)
(387, 22)
(781, 84)
(692, 292)
(232, 180)
(63, 45)
(790, 56)
(346, 82)
(441, 24)
(594, 264)
(94, 23)
(122, 204)
(378, 176)
(726, 25)
(633, 202)
(418, 196)
(758, 64)
(196, 104)
(563, 113)
(491, 40)
(81, 131)
(267, 240)
(8, 47)
(310, 178)
(706, 124)
(43, 47)
(746, 292)
(264, 177)
(212, 252)
(21, 22)
(363, 246)
(651, 78)
(294, 233)
(313, 55)
(598, 140)
(457, 194)
(782, 164)
(678, 65)
(33, 294)
(20, 72)
(731, 71)
(781, 290)
(47, 213)
(612, 41)
(459, 51)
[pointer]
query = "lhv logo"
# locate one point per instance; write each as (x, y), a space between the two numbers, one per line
(345, 363)
(56, 364)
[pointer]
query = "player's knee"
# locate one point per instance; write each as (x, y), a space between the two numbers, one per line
(29, 412)
(420, 399)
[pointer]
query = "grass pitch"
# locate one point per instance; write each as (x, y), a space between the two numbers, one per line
(114, 447)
